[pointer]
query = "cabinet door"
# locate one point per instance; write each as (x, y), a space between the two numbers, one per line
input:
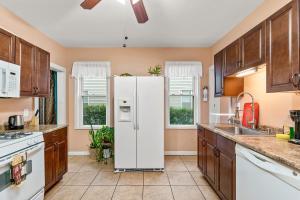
(201, 150)
(226, 176)
(232, 58)
(42, 72)
(282, 48)
(253, 47)
(25, 57)
(226, 169)
(218, 67)
(7, 46)
(50, 176)
(211, 164)
(61, 158)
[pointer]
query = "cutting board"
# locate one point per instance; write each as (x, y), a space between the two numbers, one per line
(247, 114)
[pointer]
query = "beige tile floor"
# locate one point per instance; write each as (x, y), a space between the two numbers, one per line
(89, 180)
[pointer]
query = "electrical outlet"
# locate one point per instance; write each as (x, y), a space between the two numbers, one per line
(26, 113)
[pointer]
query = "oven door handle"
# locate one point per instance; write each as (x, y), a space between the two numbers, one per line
(35, 148)
(29, 151)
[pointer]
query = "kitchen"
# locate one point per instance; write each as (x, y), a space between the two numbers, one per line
(222, 168)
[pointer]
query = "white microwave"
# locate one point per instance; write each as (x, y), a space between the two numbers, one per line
(9, 80)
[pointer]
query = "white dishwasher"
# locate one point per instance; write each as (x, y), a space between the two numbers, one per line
(261, 178)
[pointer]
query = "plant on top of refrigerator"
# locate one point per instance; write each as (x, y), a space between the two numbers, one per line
(156, 70)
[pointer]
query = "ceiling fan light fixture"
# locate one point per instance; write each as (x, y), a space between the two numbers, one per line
(139, 11)
(135, 1)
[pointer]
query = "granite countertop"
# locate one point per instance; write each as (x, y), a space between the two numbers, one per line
(42, 128)
(276, 149)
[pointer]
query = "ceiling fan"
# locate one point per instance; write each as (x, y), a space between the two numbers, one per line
(137, 6)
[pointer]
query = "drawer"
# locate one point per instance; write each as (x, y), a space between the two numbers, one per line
(55, 136)
(200, 131)
(226, 146)
(210, 137)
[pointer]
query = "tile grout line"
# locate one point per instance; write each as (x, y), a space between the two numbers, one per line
(170, 186)
(194, 181)
(115, 186)
(193, 178)
(88, 186)
(143, 186)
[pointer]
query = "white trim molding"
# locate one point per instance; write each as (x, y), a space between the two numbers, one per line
(78, 153)
(180, 153)
(167, 153)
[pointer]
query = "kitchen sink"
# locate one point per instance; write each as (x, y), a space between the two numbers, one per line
(242, 131)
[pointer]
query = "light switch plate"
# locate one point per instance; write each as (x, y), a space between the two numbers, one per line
(26, 113)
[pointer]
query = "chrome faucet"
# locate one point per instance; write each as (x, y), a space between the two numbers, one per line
(236, 116)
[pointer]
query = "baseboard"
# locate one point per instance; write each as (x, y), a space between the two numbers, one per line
(78, 153)
(167, 153)
(180, 153)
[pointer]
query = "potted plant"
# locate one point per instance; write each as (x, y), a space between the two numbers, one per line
(101, 143)
(155, 71)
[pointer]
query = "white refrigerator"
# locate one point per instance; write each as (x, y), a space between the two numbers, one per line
(139, 123)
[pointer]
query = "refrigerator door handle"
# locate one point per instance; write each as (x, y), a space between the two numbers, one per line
(134, 109)
(137, 112)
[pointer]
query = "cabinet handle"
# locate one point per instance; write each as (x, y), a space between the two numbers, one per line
(216, 152)
(295, 80)
(203, 143)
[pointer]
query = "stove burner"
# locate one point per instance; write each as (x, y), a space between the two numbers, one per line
(13, 135)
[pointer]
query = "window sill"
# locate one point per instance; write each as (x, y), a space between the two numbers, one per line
(188, 127)
(88, 127)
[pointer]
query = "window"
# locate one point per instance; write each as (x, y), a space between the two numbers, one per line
(92, 95)
(94, 101)
(182, 101)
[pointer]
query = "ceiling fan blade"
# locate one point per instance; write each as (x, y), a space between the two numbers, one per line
(89, 4)
(139, 11)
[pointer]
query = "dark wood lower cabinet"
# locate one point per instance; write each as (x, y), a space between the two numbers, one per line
(56, 156)
(218, 166)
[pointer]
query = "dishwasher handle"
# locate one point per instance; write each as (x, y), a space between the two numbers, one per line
(283, 173)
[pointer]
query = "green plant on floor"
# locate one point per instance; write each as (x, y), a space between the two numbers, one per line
(156, 70)
(101, 139)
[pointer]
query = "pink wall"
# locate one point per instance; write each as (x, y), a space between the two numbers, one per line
(17, 26)
(136, 61)
(274, 108)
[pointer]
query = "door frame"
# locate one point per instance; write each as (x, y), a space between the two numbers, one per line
(61, 94)
(214, 102)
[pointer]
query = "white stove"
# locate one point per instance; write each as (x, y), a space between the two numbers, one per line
(31, 146)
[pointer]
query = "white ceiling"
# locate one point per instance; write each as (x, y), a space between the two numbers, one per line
(172, 23)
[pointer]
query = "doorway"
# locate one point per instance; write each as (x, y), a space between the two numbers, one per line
(53, 109)
(214, 102)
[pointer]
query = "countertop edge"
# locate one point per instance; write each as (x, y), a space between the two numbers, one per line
(59, 126)
(237, 139)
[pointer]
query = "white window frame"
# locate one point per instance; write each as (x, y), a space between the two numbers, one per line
(197, 99)
(78, 106)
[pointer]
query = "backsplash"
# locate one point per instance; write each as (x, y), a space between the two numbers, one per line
(273, 107)
(14, 107)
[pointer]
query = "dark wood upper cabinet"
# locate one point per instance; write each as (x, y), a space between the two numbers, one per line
(25, 57)
(225, 86)
(42, 68)
(218, 67)
(253, 47)
(282, 56)
(232, 58)
(35, 69)
(7, 46)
